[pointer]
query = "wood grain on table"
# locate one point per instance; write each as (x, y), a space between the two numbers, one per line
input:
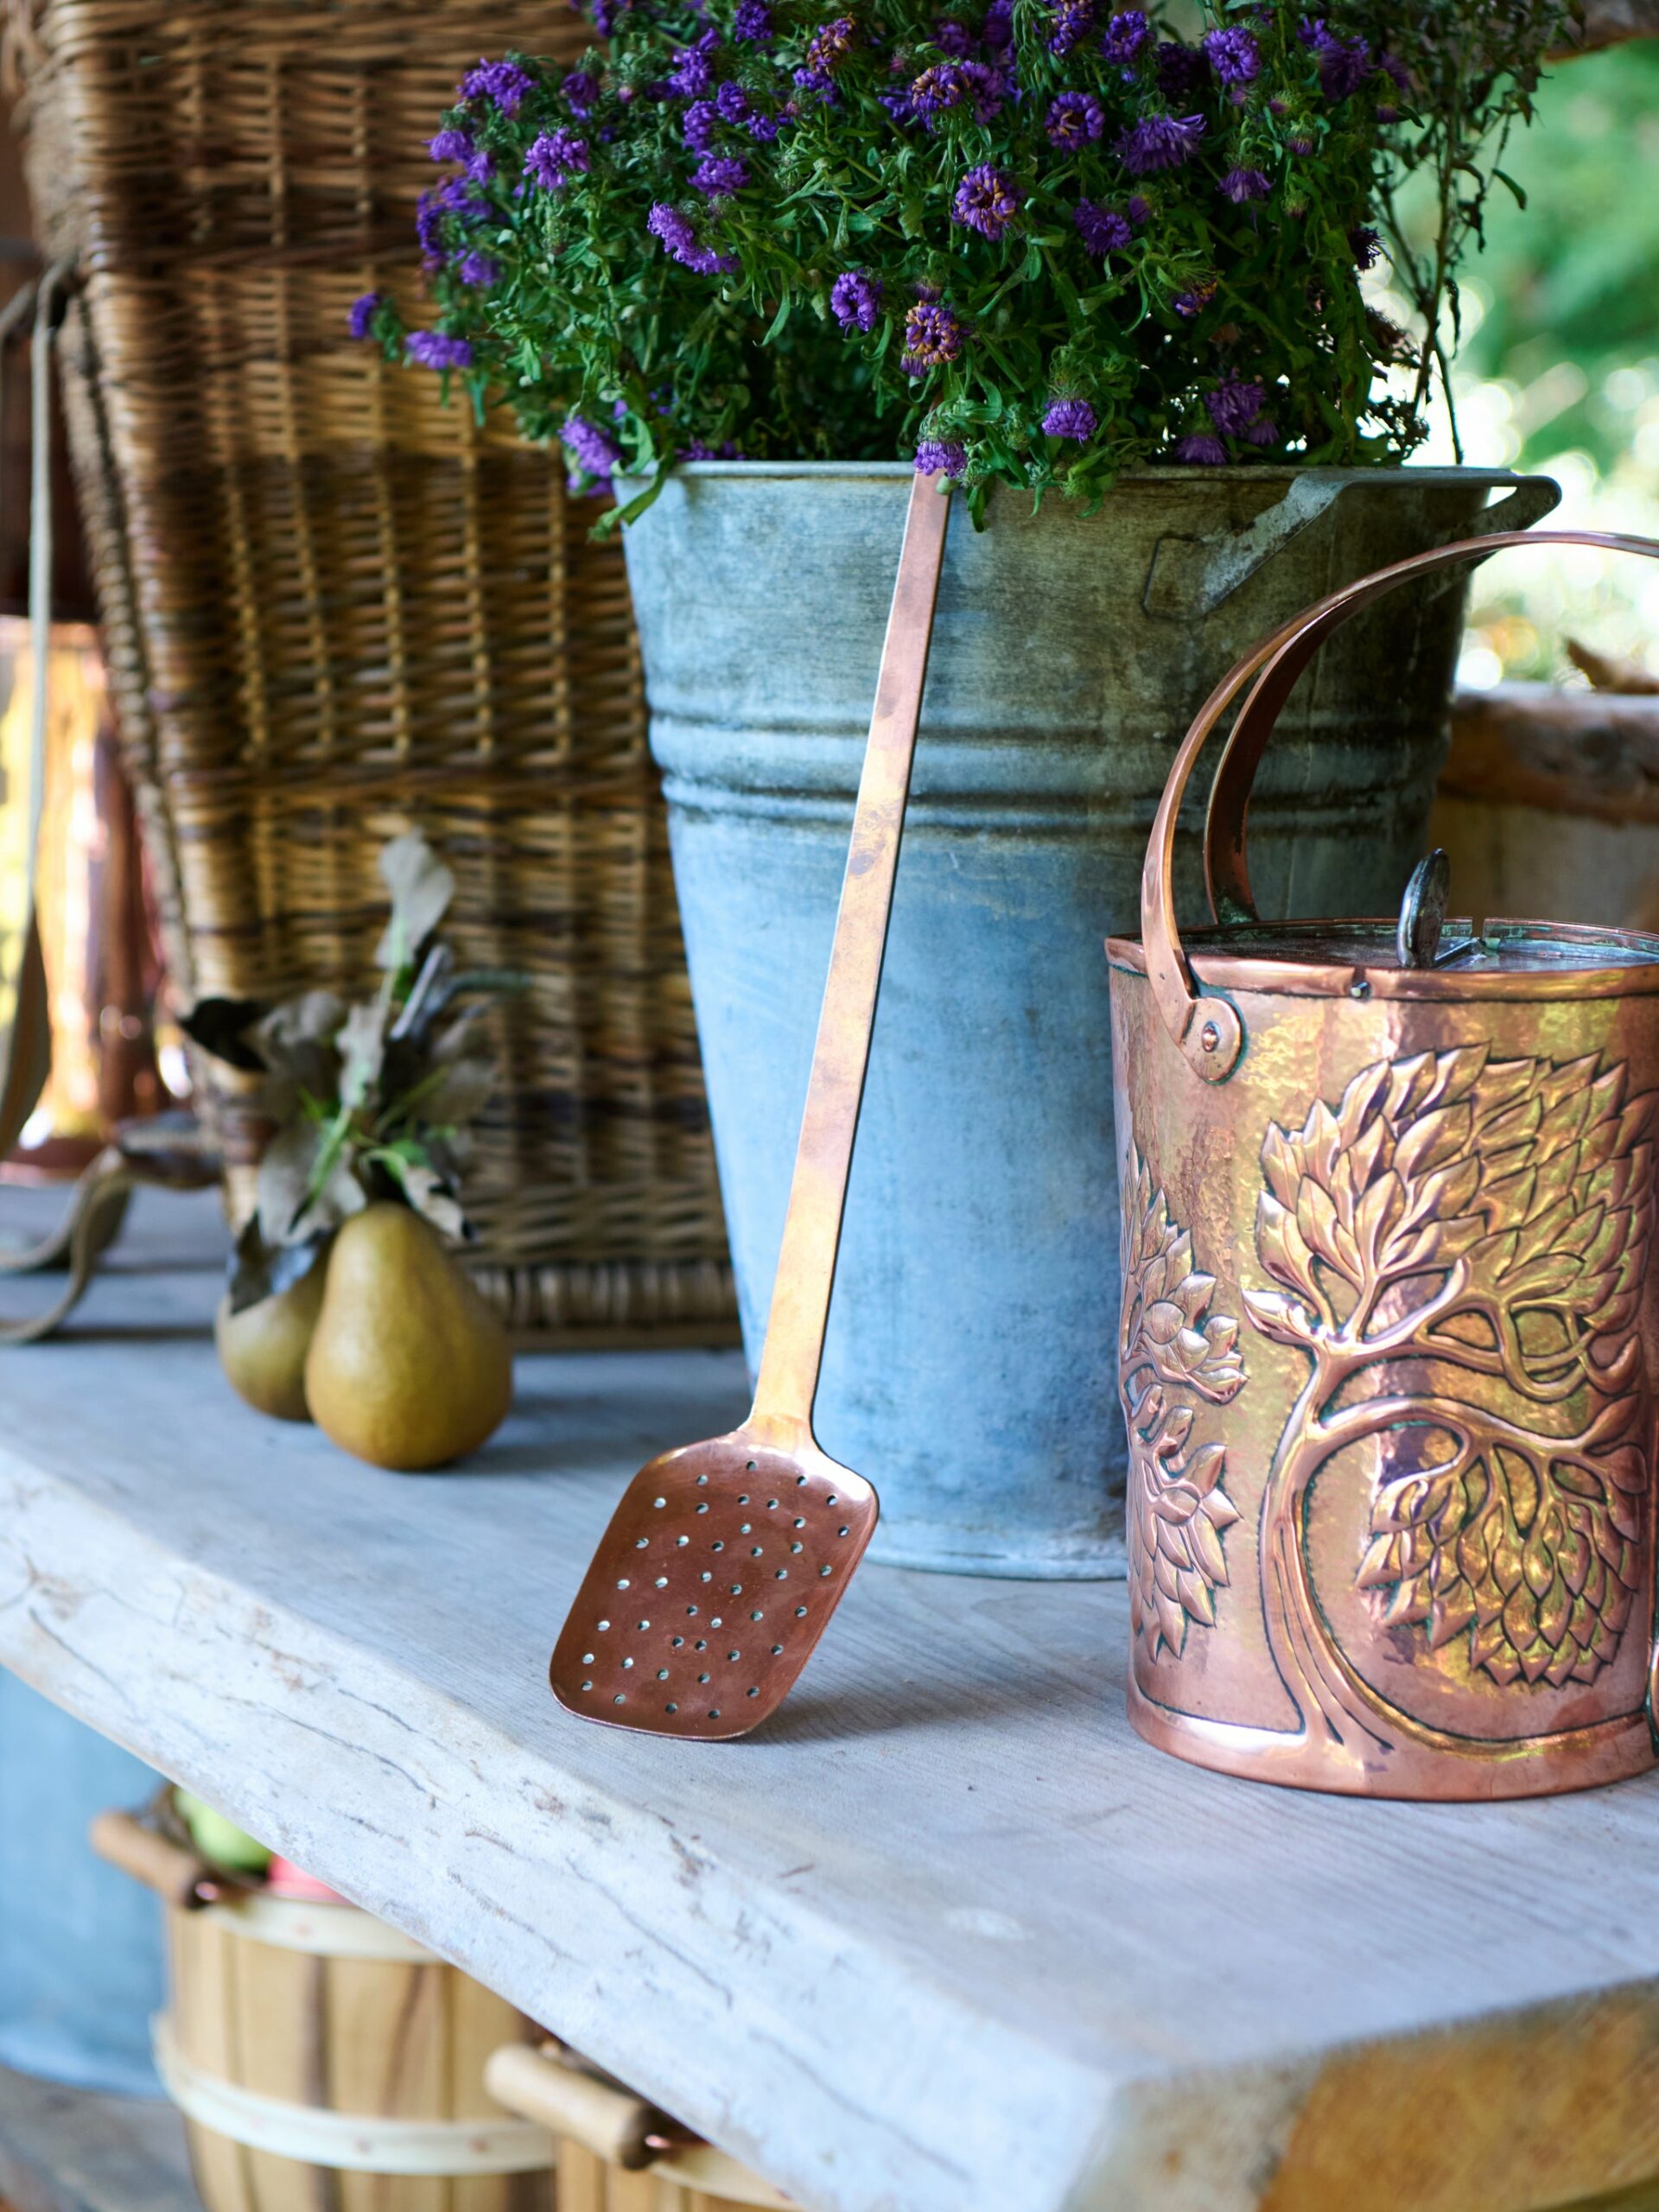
(944, 1937)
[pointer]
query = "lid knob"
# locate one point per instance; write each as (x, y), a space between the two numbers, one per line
(1422, 911)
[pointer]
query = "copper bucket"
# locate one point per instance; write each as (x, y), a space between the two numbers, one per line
(1389, 1342)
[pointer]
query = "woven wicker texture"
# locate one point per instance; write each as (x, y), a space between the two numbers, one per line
(336, 607)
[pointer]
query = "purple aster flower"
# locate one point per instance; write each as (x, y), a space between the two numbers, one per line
(932, 337)
(763, 129)
(952, 39)
(1344, 69)
(940, 457)
(996, 32)
(450, 146)
(1196, 300)
(1181, 70)
(365, 308)
(1204, 452)
(1160, 142)
(1073, 19)
(1299, 143)
(1367, 246)
(818, 81)
(457, 197)
(595, 452)
(693, 73)
(1070, 419)
(428, 226)
(734, 104)
(718, 178)
(1343, 65)
(430, 349)
(942, 86)
(831, 44)
(698, 125)
(1073, 119)
(679, 237)
(553, 158)
(987, 88)
(987, 200)
(699, 450)
(581, 90)
(1139, 211)
(1264, 431)
(855, 299)
(481, 167)
(1125, 35)
(1234, 55)
(752, 23)
(479, 269)
(1234, 405)
(1102, 230)
(1239, 185)
(504, 82)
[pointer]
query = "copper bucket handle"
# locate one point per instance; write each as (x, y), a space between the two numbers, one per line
(1207, 1029)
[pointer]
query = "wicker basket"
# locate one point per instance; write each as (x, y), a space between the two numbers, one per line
(336, 608)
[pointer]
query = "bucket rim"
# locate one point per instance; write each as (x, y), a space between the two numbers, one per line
(1221, 962)
(1437, 474)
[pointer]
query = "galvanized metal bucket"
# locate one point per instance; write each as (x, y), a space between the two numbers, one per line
(1389, 1336)
(979, 1252)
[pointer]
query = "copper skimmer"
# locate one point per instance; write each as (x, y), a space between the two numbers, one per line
(724, 1560)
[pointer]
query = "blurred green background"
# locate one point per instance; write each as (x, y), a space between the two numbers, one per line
(1559, 369)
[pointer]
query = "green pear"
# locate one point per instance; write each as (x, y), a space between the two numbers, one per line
(221, 1842)
(408, 1368)
(263, 1348)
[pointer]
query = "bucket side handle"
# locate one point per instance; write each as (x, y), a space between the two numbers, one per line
(1208, 1030)
(1190, 577)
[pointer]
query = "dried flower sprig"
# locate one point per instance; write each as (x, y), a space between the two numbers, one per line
(366, 1099)
(1041, 238)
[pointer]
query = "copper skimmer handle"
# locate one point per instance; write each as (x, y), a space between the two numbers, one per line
(817, 1192)
(1207, 1029)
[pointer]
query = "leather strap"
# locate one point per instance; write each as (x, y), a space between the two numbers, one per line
(1208, 1030)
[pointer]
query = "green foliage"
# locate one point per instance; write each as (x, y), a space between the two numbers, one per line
(367, 1100)
(1572, 285)
(590, 268)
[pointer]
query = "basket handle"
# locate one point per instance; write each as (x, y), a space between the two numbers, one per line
(26, 1042)
(1207, 1030)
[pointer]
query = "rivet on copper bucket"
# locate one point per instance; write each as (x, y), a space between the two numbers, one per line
(1386, 1350)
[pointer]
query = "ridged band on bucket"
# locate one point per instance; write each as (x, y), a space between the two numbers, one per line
(365, 2143)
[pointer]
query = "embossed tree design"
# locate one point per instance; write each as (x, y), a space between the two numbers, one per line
(1169, 1354)
(1460, 1216)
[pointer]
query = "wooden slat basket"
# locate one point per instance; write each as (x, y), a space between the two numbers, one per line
(336, 608)
(325, 2062)
(322, 2058)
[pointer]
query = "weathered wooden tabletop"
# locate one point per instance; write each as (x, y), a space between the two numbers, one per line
(943, 1938)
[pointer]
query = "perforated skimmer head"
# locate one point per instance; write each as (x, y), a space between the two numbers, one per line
(714, 1582)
